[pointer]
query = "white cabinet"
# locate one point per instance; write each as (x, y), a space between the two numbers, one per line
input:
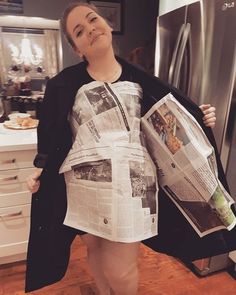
(15, 203)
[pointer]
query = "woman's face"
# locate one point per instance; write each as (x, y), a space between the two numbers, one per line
(89, 31)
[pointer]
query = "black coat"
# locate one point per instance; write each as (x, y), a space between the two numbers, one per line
(50, 240)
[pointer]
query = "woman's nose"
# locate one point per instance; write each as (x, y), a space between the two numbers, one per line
(91, 29)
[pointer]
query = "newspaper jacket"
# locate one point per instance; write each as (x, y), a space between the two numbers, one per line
(50, 240)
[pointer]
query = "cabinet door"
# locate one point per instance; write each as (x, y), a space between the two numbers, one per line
(16, 159)
(14, 229)
(13, 181)
(15, 199)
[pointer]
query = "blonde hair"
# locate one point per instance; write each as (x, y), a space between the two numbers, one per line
(65, 15)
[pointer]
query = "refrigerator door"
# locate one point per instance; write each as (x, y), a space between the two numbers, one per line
(195, 51)
(170, 28)
(218, 88)
(219, 66)
(179, 56)
(230, 143)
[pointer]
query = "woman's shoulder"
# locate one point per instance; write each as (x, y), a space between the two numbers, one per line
(128, 65)
(68, 75)
(136, 73)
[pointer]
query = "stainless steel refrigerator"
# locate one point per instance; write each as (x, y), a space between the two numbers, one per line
(195, 51)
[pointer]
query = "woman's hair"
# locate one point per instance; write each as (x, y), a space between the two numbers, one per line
(65, 15)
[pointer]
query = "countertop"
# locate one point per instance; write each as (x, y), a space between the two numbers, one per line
(17, 140)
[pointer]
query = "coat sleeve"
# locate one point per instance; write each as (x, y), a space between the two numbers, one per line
(54, 135)
(49, 240)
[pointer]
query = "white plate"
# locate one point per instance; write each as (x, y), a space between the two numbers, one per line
(15, 126)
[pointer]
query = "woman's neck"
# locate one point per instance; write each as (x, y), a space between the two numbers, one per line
(104, 68)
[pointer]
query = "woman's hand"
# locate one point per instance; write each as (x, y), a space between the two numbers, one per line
(32, 180)
(209, 118)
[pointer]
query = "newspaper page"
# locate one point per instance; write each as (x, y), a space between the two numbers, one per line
(186, 166)
(110, 177)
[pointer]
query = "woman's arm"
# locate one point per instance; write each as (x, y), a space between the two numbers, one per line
(47, 135)
(43, 142)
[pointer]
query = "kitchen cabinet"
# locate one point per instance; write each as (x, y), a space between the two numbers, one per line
(17, 151)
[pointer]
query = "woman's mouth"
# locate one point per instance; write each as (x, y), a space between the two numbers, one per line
(95, 38)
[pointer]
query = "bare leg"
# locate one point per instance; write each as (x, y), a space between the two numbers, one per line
(93, 244)
(113, 265)
(119, 262)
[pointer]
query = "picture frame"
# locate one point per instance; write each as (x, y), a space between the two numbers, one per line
(11, 7)
(113, 12)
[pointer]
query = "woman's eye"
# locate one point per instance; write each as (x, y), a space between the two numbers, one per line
(78, 33)
(93, 19)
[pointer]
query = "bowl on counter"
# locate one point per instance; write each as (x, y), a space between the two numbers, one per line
(14, 116)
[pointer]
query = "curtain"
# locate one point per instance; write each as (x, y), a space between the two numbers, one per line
(51, 52)
(3, 70)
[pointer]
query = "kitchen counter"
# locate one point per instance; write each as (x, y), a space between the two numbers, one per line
(17, 152)
(17, 140)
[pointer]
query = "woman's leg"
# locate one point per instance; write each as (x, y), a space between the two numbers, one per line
(94, 257)
(119, 262)
(113, 264)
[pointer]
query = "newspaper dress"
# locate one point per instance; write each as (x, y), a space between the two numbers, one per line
(110, 178)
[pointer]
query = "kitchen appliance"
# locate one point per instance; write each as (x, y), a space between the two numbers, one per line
(195, 52)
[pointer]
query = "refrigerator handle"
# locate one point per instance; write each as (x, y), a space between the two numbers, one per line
(181, 54)
(230, 122)
(175, 54)
(228, 135)
(190, 64)
(230, 119)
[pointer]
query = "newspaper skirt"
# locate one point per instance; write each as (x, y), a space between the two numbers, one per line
(111, 180)
(116, 197)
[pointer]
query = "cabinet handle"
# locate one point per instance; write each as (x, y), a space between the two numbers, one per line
(11, 214)
(11, 161)
(9, 178)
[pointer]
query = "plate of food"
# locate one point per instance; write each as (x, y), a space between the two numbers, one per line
(15, 116)
(21, 123)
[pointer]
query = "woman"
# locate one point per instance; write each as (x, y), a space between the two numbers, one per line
(113, 263)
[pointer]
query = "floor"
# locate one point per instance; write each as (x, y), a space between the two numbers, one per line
(159, 275)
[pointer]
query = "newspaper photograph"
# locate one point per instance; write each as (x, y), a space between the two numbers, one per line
(110, 177)
(186, 166)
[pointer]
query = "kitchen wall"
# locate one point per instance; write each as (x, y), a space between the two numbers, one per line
(139, 23)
